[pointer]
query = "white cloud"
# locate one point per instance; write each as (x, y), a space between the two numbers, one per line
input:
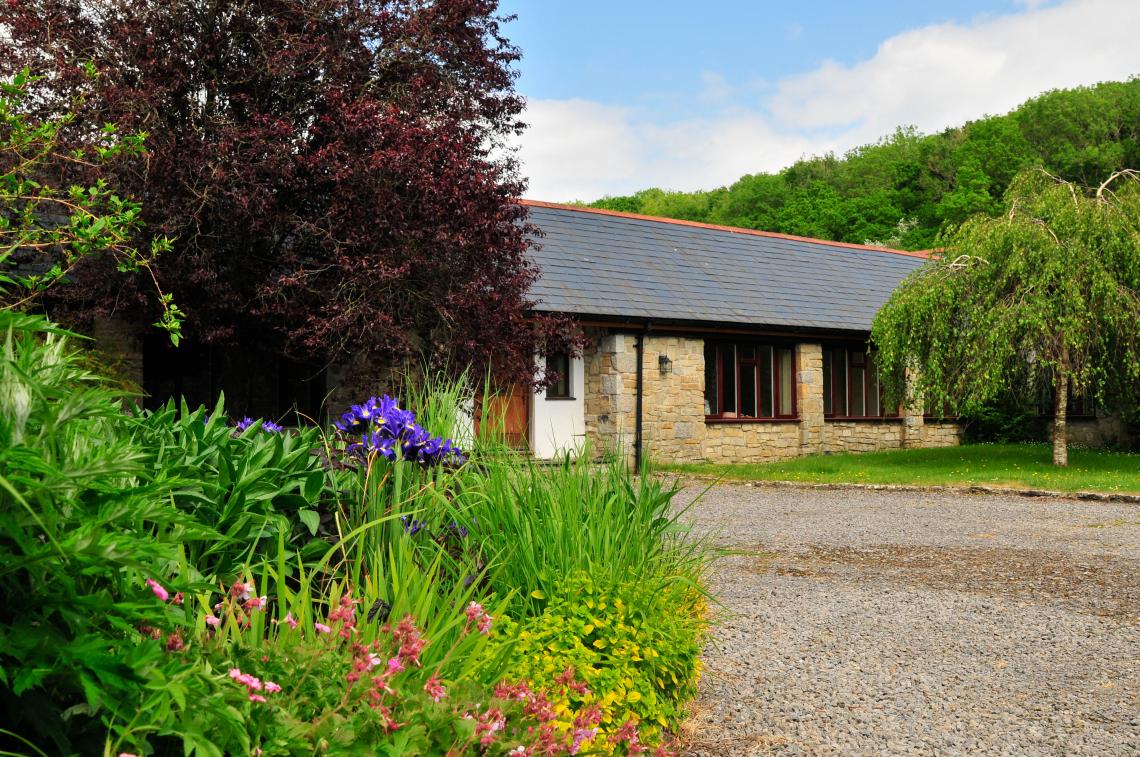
(932, 77)
(939, 76)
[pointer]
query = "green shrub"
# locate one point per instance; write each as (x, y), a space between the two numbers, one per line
(248, 485)
(119, 534)
(81, 526)
(1005, 420)
(635, 644)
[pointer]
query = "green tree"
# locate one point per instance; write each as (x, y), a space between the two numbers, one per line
(1045, 296)
(47, 228)
(970, 195)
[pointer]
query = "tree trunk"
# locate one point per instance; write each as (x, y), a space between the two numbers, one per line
(1060, 427)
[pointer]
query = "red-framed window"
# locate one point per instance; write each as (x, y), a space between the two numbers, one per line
(749, 381)
(851, 386)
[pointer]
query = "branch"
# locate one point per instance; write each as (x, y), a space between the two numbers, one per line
(1129, 172)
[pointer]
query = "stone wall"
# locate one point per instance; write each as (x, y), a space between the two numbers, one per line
(937, 433)
(120, 345)
(610, 365)
(1109, 431)
(674, 428)
(673, 404)
(864, 435)
(757, 442)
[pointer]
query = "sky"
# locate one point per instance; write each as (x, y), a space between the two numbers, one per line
(624, 95)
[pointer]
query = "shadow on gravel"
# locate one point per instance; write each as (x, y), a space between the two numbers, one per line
(1103, 585)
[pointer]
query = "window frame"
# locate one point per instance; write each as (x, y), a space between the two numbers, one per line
(567, 375)
(779, 354)
(848, 350)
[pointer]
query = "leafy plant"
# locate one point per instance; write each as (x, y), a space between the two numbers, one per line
(81, 524)
(633, 645)
(47, 229)
(548, 522)
(247, 484)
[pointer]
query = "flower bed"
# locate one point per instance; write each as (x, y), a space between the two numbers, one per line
(177, 583)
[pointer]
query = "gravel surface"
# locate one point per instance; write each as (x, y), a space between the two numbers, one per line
(882, 623)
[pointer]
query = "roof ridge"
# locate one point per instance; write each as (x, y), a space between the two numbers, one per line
(924, 254)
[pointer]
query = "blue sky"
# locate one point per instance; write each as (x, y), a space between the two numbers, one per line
(627, 94)
(656, 52)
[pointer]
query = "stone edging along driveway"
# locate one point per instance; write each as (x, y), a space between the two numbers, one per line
(1000, 490)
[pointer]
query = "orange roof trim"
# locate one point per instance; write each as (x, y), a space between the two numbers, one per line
(924, 254)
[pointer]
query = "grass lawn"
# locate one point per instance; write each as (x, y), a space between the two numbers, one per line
(1013, 465)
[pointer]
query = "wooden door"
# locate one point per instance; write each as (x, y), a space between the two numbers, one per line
(506, 413)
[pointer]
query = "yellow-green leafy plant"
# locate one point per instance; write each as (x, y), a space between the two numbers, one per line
(633, 648)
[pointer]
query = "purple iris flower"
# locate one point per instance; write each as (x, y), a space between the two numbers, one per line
(271, 427)
(244, 423)
(384, 428)
(411, 525)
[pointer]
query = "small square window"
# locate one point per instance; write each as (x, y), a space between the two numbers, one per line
(561, 389)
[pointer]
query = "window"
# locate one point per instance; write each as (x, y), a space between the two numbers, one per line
(561, 389)
(1080, 406)
(851, 387)
(749, 381)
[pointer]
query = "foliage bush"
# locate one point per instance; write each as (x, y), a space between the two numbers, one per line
(248, 484)
(81, 525)
(1004, 420)
(156, 564)
(634, 644)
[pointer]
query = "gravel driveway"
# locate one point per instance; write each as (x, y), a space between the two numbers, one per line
(882, 623)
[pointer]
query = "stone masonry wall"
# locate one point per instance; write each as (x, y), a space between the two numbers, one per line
(864, 436)
(674, 428)
(673, 405)
(941, 434)
(610, 368)
(1108, 431)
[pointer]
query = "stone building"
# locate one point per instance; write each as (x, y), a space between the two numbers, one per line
(717, 344)
(706, 343)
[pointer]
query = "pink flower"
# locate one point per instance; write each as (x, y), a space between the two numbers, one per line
(156, 587)
(256, 698)
(519, 751)
(477, 615)
(291, 620)
(249, 681)
(394, 665)
(127, 754)
(213, 621)
(322, 628)
(435, 689)
(374, 660)
(235, 673)
(271, 688)
(240, 590)
(256, 603)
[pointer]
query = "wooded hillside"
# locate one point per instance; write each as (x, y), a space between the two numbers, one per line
(902, 190)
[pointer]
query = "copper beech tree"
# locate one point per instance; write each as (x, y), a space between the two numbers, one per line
(331, 172)
(1043, 300)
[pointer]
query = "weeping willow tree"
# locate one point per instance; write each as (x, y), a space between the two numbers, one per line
(1041, 301)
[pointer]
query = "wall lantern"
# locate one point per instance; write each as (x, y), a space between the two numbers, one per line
(665, 364)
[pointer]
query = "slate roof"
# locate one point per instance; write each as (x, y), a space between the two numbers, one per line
(620, 265)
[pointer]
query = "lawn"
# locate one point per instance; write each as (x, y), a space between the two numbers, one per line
(1011, 465)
